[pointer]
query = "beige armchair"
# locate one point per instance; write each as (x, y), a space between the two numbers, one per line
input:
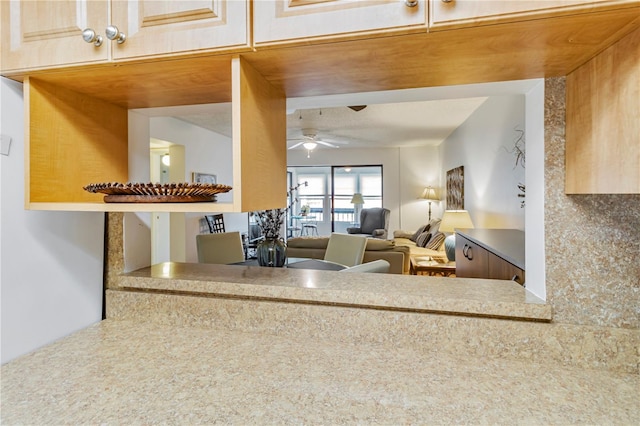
(344, 249)
(379, 266)
(221, 248)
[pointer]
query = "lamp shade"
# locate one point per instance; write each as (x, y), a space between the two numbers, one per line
(357, 198)
(310, 145)
(430, 194)
(452, 219)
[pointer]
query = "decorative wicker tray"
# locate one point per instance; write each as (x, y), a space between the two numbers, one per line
(157, 192)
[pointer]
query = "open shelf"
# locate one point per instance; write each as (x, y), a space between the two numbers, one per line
(137, 207)
(75, 138)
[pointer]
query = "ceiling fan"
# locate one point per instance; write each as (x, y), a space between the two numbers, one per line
(310, 141)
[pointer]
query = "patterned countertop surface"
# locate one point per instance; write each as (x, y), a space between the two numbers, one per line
(118, 372)
(492, 298)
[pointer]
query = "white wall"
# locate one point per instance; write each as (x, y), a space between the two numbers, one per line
(51, 263)
(534, 227)
(205, 152)
(419, 167)
(481, 144)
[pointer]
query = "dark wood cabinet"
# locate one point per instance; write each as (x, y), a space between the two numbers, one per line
(490, 253)
(499, 268)
(471, 259)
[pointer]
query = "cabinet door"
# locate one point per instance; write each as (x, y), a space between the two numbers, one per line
(154, 27)
(463, 13)
(603, 129)
(37, 34)
(500, 269)
(279, 20)
(471, 259)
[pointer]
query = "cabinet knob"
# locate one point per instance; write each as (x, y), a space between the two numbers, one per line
(411, 3)
(446, 1)
(113, 33)
(90, 36)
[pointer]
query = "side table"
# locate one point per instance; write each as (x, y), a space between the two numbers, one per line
(427, 266)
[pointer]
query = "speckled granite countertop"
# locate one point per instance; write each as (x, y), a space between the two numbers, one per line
(118, 372)
(492, 298)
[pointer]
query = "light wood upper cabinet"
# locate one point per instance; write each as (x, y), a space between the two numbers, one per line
(603, 122)
(466, 13)
(278, 21)
(37, 34)
(155, 27)
(43, 34)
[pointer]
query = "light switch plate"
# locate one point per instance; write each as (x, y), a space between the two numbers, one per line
(5, 144)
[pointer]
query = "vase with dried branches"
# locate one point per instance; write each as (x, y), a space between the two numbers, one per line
(271, 251)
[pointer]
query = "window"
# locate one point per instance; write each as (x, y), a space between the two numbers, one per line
(344, 186)
(371, 189)
(313, 194)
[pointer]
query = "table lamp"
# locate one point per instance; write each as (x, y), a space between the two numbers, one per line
(452, 219)
(430, 195)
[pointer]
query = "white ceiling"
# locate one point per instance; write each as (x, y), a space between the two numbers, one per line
(401, 118)
(384, 125)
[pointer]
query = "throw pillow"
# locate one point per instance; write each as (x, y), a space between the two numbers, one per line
(415, 235)
(435, 241)
(434, 225)
(423, 239)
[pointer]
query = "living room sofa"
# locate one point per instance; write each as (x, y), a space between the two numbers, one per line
(314, 248)
(426, 241)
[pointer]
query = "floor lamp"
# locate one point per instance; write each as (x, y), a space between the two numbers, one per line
(452, 219)
(357, 202)
(430, 195)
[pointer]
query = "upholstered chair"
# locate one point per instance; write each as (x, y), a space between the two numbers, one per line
(374, 222)
(221, 248)
(380, 266)
(346, 250)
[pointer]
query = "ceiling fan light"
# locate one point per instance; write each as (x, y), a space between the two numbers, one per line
(310, 145)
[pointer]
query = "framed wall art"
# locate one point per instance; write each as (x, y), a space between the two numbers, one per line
(197, 177)
(455, 189)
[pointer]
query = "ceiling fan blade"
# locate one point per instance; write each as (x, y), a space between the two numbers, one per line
(327, 144)
(296, 145)
(335, 142)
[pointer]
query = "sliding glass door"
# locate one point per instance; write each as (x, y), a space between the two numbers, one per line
(354, 188)
(329, 198)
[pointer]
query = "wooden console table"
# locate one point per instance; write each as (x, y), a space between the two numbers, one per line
(426, 266)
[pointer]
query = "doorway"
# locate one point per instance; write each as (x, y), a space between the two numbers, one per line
(167, 165)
